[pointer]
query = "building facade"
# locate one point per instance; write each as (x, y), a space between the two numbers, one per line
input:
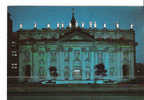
(69, 55)
(12, 52)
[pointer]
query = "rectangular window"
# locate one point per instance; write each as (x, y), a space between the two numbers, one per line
(14, 66)
(13, 43)
(14, 53)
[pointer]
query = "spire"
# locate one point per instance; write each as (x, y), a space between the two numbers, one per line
(73, 12)
(73, 21)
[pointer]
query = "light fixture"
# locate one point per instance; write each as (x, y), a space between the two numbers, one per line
(131, 26)
(90, 24)
(76, 24)
(104, 25)
(117, 25)
(35, 25)
(95, 24)
(58, 25)
(82, 24)
(21, 26)
(62, 25)
(70, 25)
(48, 25)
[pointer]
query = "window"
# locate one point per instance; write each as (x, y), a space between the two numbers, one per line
(14, 66)
(13, 43)
(14, 53)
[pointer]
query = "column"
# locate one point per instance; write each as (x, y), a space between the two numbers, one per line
(103, 57)
(99, 57)
(131, 64)
(92, 65)
(62, 64)
(96, 58)
(106, 62)
(83, 65)
(114, 65)
(48, 56)
(71, 64)
(35, 67)
(21, 65)
(31, 64)
(57, 63)
(119, 64)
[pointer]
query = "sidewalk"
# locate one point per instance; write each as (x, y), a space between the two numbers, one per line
(76, 90)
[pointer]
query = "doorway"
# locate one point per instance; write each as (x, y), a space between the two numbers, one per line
(27, 72)
(125, 71)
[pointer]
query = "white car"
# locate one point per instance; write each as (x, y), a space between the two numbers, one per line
(48, 82)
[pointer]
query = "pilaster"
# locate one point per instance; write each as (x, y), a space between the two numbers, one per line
(70, 64)
(62, 63)
(48, 57)
(35, 64)
(92, 63)
(83, 65)
(21, 65)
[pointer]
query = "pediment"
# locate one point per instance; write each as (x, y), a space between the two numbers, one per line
(77, 36)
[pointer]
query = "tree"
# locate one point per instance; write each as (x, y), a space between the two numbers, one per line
(53, 71)
(100, 70)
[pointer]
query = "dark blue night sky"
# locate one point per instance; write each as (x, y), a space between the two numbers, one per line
(110, 15)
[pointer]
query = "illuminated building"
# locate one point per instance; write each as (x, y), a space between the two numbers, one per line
(74, 52)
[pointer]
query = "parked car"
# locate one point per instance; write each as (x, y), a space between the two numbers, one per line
(48, 82)
(104, 81)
